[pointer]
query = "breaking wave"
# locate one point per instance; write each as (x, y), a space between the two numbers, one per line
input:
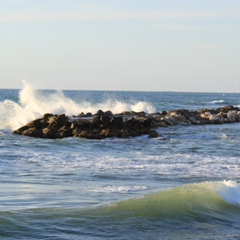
(190, 201)
(209, 203)
(219, 102)
(34, 104)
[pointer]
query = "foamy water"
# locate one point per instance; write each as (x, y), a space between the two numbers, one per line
(229, 191)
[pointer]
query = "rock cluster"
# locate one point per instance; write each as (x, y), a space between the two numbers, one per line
(227, 114)
(127, 124)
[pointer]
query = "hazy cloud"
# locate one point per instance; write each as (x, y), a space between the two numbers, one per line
(207, 46)
(106, 14)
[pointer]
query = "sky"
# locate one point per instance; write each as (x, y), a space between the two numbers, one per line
(124, 45)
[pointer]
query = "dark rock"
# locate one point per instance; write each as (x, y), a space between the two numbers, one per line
(35, 124)
(88, 115)
(108, 114)
(153, 134)
(228, 108)
(20, 130)
(48, 115)
(33, 132)
(95, 122)
(100, 113)
(164, 112)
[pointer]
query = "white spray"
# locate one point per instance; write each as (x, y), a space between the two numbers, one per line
(229, 191)
(34, 104)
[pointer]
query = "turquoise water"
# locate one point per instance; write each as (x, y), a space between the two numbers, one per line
(183, 185)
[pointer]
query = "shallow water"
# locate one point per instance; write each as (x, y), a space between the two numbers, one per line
(182, 185)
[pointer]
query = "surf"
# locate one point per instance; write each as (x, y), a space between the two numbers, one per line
(198, 202)
(206, 201)
(33, 104)
(186, 209)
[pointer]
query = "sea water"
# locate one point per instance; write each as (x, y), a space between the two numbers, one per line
(185, 184)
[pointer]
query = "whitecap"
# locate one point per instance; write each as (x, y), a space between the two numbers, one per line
(229, 191)
(118, 189)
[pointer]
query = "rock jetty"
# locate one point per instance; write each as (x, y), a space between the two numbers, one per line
(127, 124)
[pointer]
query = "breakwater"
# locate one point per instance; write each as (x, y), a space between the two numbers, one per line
(126, 124)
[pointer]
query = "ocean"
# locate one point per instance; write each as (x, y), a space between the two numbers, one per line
(185, 184)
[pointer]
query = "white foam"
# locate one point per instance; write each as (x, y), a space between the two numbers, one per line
(218, 101)
(118, 189)
(228, 191)
(34, 104)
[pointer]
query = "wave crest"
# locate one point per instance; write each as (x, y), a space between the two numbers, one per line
(190, 201)
(229, 191)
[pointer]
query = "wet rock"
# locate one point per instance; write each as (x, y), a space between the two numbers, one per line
(153, 134)
(194, 121)
(33, 132)
(226, 109)
(175, 118)
(232, 116)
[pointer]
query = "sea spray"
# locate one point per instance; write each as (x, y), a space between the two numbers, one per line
(34, 104)
(7, 110)
(229, 191)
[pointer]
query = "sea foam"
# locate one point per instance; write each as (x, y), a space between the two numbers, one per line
(34, 104)
(229, 191)
(218, 101)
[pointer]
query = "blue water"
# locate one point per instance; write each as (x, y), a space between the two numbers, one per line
(183, 185)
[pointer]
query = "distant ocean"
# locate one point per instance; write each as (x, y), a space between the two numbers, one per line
(184, 184)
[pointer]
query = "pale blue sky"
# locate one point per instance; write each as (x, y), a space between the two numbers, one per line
(150, 45)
